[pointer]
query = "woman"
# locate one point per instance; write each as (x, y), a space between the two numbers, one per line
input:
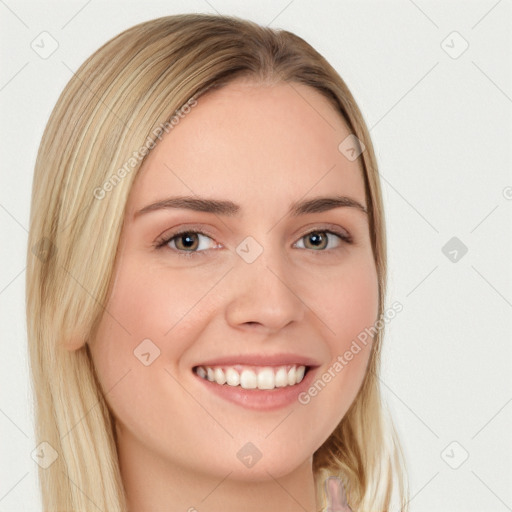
(206, 280)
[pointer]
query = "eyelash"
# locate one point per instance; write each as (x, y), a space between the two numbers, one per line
(162, 242)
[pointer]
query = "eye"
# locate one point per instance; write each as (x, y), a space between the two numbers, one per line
(189, 243)
(186, 243)
(319, 240)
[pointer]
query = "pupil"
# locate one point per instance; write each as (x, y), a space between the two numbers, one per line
(317, 237)
(189, 240)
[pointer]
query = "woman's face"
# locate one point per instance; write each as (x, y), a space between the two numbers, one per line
(259, 285)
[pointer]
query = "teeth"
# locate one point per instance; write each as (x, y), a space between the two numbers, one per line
(281, 379)
(266, 379)
(248, 379)
(263, 378)
(220, 378)
(232, 377)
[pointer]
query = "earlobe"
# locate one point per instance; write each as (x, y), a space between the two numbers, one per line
(74, 343)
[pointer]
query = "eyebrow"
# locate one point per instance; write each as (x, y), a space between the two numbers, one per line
(229, 208)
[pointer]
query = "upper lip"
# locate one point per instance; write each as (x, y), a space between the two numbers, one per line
(261, 360)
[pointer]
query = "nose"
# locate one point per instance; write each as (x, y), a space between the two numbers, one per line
(263, 294)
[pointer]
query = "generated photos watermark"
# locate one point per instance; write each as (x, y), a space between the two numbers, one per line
(137, 156)
(344, 359)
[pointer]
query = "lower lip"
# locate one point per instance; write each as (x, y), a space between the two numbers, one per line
(260, 399)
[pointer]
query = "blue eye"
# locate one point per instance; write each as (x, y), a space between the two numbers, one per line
(189, 243)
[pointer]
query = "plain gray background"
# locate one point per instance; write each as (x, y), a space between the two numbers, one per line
(433, 80)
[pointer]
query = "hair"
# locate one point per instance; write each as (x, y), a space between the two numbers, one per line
(119, 98)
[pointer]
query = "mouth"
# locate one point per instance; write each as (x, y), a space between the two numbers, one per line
(261, 382)
(249, 377)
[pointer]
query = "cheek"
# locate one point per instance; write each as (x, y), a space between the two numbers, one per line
(346, 301)
(150, 302)
(354, 309)
(152, 316)
(348, 307)
(354, 304)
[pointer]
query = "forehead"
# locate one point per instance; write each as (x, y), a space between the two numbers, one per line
(252, 141)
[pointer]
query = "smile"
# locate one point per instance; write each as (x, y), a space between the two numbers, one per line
(253, 377)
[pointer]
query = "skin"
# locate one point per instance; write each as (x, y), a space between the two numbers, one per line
(262, 147)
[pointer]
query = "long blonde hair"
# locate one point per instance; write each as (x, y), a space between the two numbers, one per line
(117, 100)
